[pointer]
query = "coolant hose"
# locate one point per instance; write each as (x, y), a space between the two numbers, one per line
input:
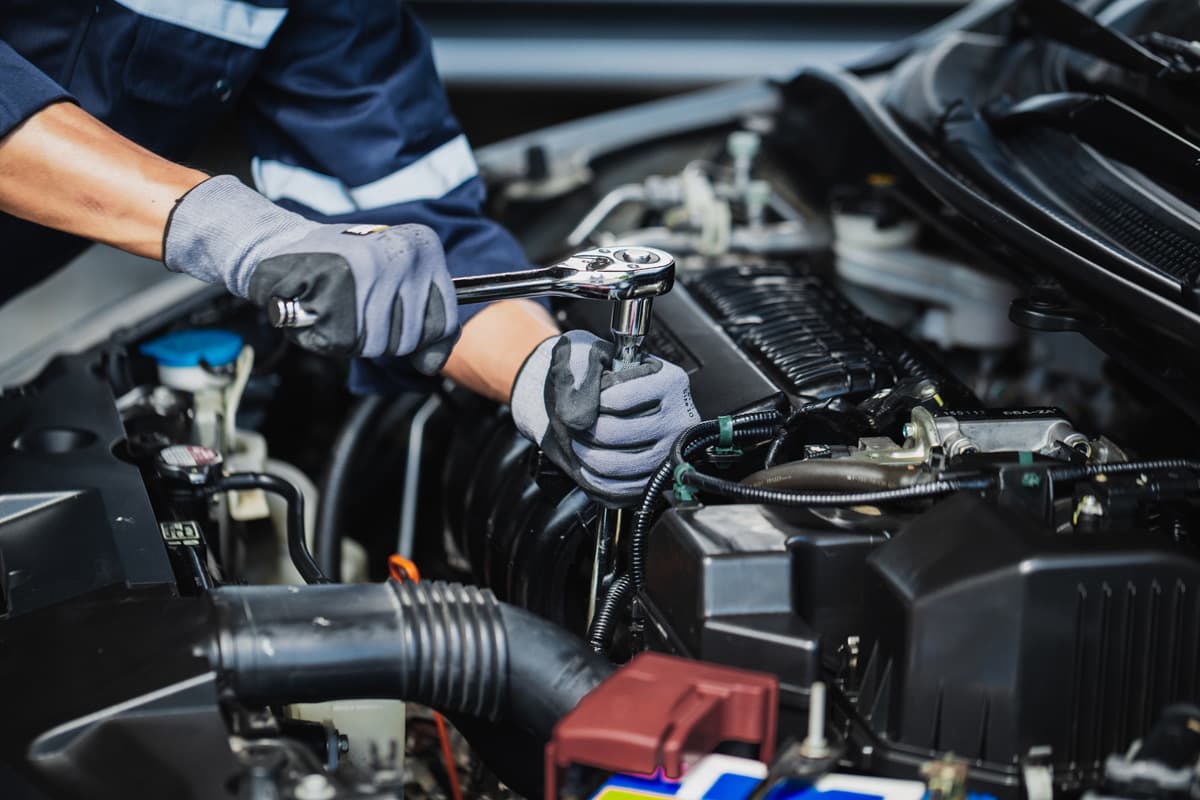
(336, 481)
(451, 647)
(297, 542)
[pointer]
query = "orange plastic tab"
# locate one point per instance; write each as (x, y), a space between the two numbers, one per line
(400, 569)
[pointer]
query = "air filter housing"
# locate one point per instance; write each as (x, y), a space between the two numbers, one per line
(989, 636)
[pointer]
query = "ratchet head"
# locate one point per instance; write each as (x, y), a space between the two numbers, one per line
(603, 273)
(618, 273)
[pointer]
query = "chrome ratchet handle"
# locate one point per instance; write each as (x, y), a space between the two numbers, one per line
(505, 285)
(289, 313)
(627, 276)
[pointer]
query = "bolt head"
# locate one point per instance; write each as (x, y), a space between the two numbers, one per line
(1090, 506)
(636, 255)
(314, 787)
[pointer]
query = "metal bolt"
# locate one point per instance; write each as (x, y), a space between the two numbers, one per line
(314, 787)
(815, 745)
(1090, 506)
(634, 255)
(908, 430)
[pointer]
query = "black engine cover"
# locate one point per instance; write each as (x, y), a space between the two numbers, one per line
(990, 635)
(978, 630)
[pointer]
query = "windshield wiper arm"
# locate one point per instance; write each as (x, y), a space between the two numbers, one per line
(1066, 24)
(1112, 127)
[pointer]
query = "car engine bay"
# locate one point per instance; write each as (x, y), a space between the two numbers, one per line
(940, 320)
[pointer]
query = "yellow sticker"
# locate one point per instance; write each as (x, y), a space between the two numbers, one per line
(621, 793)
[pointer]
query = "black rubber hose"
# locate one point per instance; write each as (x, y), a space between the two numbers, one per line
(297, 543)
(451, 647)
(549, 671)
(600, 631)
(335, 482)
(784, 434)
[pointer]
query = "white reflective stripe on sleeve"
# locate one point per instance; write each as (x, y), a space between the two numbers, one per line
(427, 178)
(234, 21)
(321, 193)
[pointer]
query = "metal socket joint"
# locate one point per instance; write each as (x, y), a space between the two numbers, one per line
(630, 324)
(284, 313)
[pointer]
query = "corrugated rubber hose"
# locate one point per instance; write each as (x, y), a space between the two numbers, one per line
(454, 648)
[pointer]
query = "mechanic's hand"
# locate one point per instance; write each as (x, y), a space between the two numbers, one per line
(608, 430)
(376, 290)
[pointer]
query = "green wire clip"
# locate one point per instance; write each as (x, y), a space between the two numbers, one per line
(683, 492)
(725, 446)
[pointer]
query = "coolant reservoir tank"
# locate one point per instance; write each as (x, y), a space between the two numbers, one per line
(374, 729)
(192, 360)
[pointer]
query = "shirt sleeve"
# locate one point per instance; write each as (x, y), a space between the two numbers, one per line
(25, 90)
(347, 120)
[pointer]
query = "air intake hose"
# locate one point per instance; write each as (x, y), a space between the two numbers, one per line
(451, 647)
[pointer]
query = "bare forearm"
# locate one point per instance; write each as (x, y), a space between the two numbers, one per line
(494, 345)
(65, 169)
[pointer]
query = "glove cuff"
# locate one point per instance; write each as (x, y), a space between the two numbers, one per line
(221, 229)
(528, 400)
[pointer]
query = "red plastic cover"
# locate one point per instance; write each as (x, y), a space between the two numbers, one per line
(656, 710)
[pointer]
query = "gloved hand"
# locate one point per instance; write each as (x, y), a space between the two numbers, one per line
(608, 430)
(376, 290)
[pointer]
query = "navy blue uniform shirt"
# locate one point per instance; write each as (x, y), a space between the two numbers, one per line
(341, 105)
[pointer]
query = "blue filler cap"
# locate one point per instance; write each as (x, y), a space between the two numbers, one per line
(215, 348)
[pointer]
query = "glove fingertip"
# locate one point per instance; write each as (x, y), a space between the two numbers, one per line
(430, 359)
(611, 493)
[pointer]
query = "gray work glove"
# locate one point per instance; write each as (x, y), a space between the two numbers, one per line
(376, 290)
(608, 430)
